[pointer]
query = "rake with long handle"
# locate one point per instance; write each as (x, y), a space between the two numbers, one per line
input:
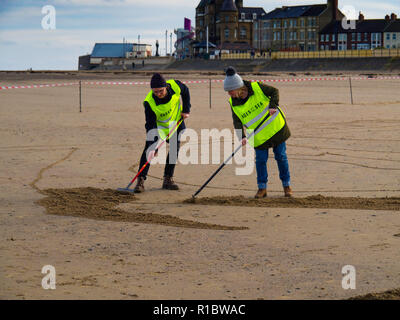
(220, 167)
(127, 190)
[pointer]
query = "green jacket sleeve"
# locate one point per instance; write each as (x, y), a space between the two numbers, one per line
(237, 124)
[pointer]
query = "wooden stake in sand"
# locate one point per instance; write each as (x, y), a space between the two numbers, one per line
(210, 93)
(351, 91)
(80, 96)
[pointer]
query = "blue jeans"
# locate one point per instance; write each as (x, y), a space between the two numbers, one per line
(283, 165)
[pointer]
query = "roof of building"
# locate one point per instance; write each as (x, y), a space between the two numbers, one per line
(202, 4)
(315, 10)
(249, 11)
(111, 50)
(296, 11)
(362, 26)
(373, 25)
(394, 26)
(229, 5)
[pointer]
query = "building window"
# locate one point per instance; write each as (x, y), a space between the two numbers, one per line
(266, 24)
(285, 23)
(394, 36)
(358, 36)
(376, 37)
(322, 38)
(227, 19)
(333, 37)
(302, 22)
(327, 37)
(254, 16)
(243, 33)
(226, 33)
(295, 35)
(353, 36)
(387, 36)
(243, 16)
(322, 47)
(302, 35)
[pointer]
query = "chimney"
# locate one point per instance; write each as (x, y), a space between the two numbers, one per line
(387, 18)
(393, 16)
(333, 6)
(360, 17)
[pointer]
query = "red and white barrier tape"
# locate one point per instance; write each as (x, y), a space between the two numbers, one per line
(193, 82)
(38, 86)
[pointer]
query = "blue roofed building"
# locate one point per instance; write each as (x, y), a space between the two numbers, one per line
(294, 28)
(117, 55)
(111, 50)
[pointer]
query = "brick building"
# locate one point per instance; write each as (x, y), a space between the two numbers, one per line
(294, 28)
(229, 24)
(367, 34)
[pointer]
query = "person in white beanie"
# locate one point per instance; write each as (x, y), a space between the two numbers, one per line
(255, 108)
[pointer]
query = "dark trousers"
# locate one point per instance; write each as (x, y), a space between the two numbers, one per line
(172, 158)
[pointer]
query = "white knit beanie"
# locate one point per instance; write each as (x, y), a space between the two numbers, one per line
(232, 80)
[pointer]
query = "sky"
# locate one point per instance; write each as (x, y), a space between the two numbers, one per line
(79, 24)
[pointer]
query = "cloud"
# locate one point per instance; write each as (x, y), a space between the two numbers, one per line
(153, 3)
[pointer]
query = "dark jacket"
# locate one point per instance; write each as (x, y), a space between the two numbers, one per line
(151, 119)
(273, 93)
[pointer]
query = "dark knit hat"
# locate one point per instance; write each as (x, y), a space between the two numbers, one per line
(158, 81)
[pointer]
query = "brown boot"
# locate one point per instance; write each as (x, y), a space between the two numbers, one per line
(288, 192)
(261, 193)
(169, 184)
(139, 185)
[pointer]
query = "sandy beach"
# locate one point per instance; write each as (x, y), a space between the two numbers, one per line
(60, 169)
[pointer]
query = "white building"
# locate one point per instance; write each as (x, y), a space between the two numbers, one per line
(391, 35)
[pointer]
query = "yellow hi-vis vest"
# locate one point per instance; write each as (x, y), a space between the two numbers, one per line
(254, 115)
(167, 114)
